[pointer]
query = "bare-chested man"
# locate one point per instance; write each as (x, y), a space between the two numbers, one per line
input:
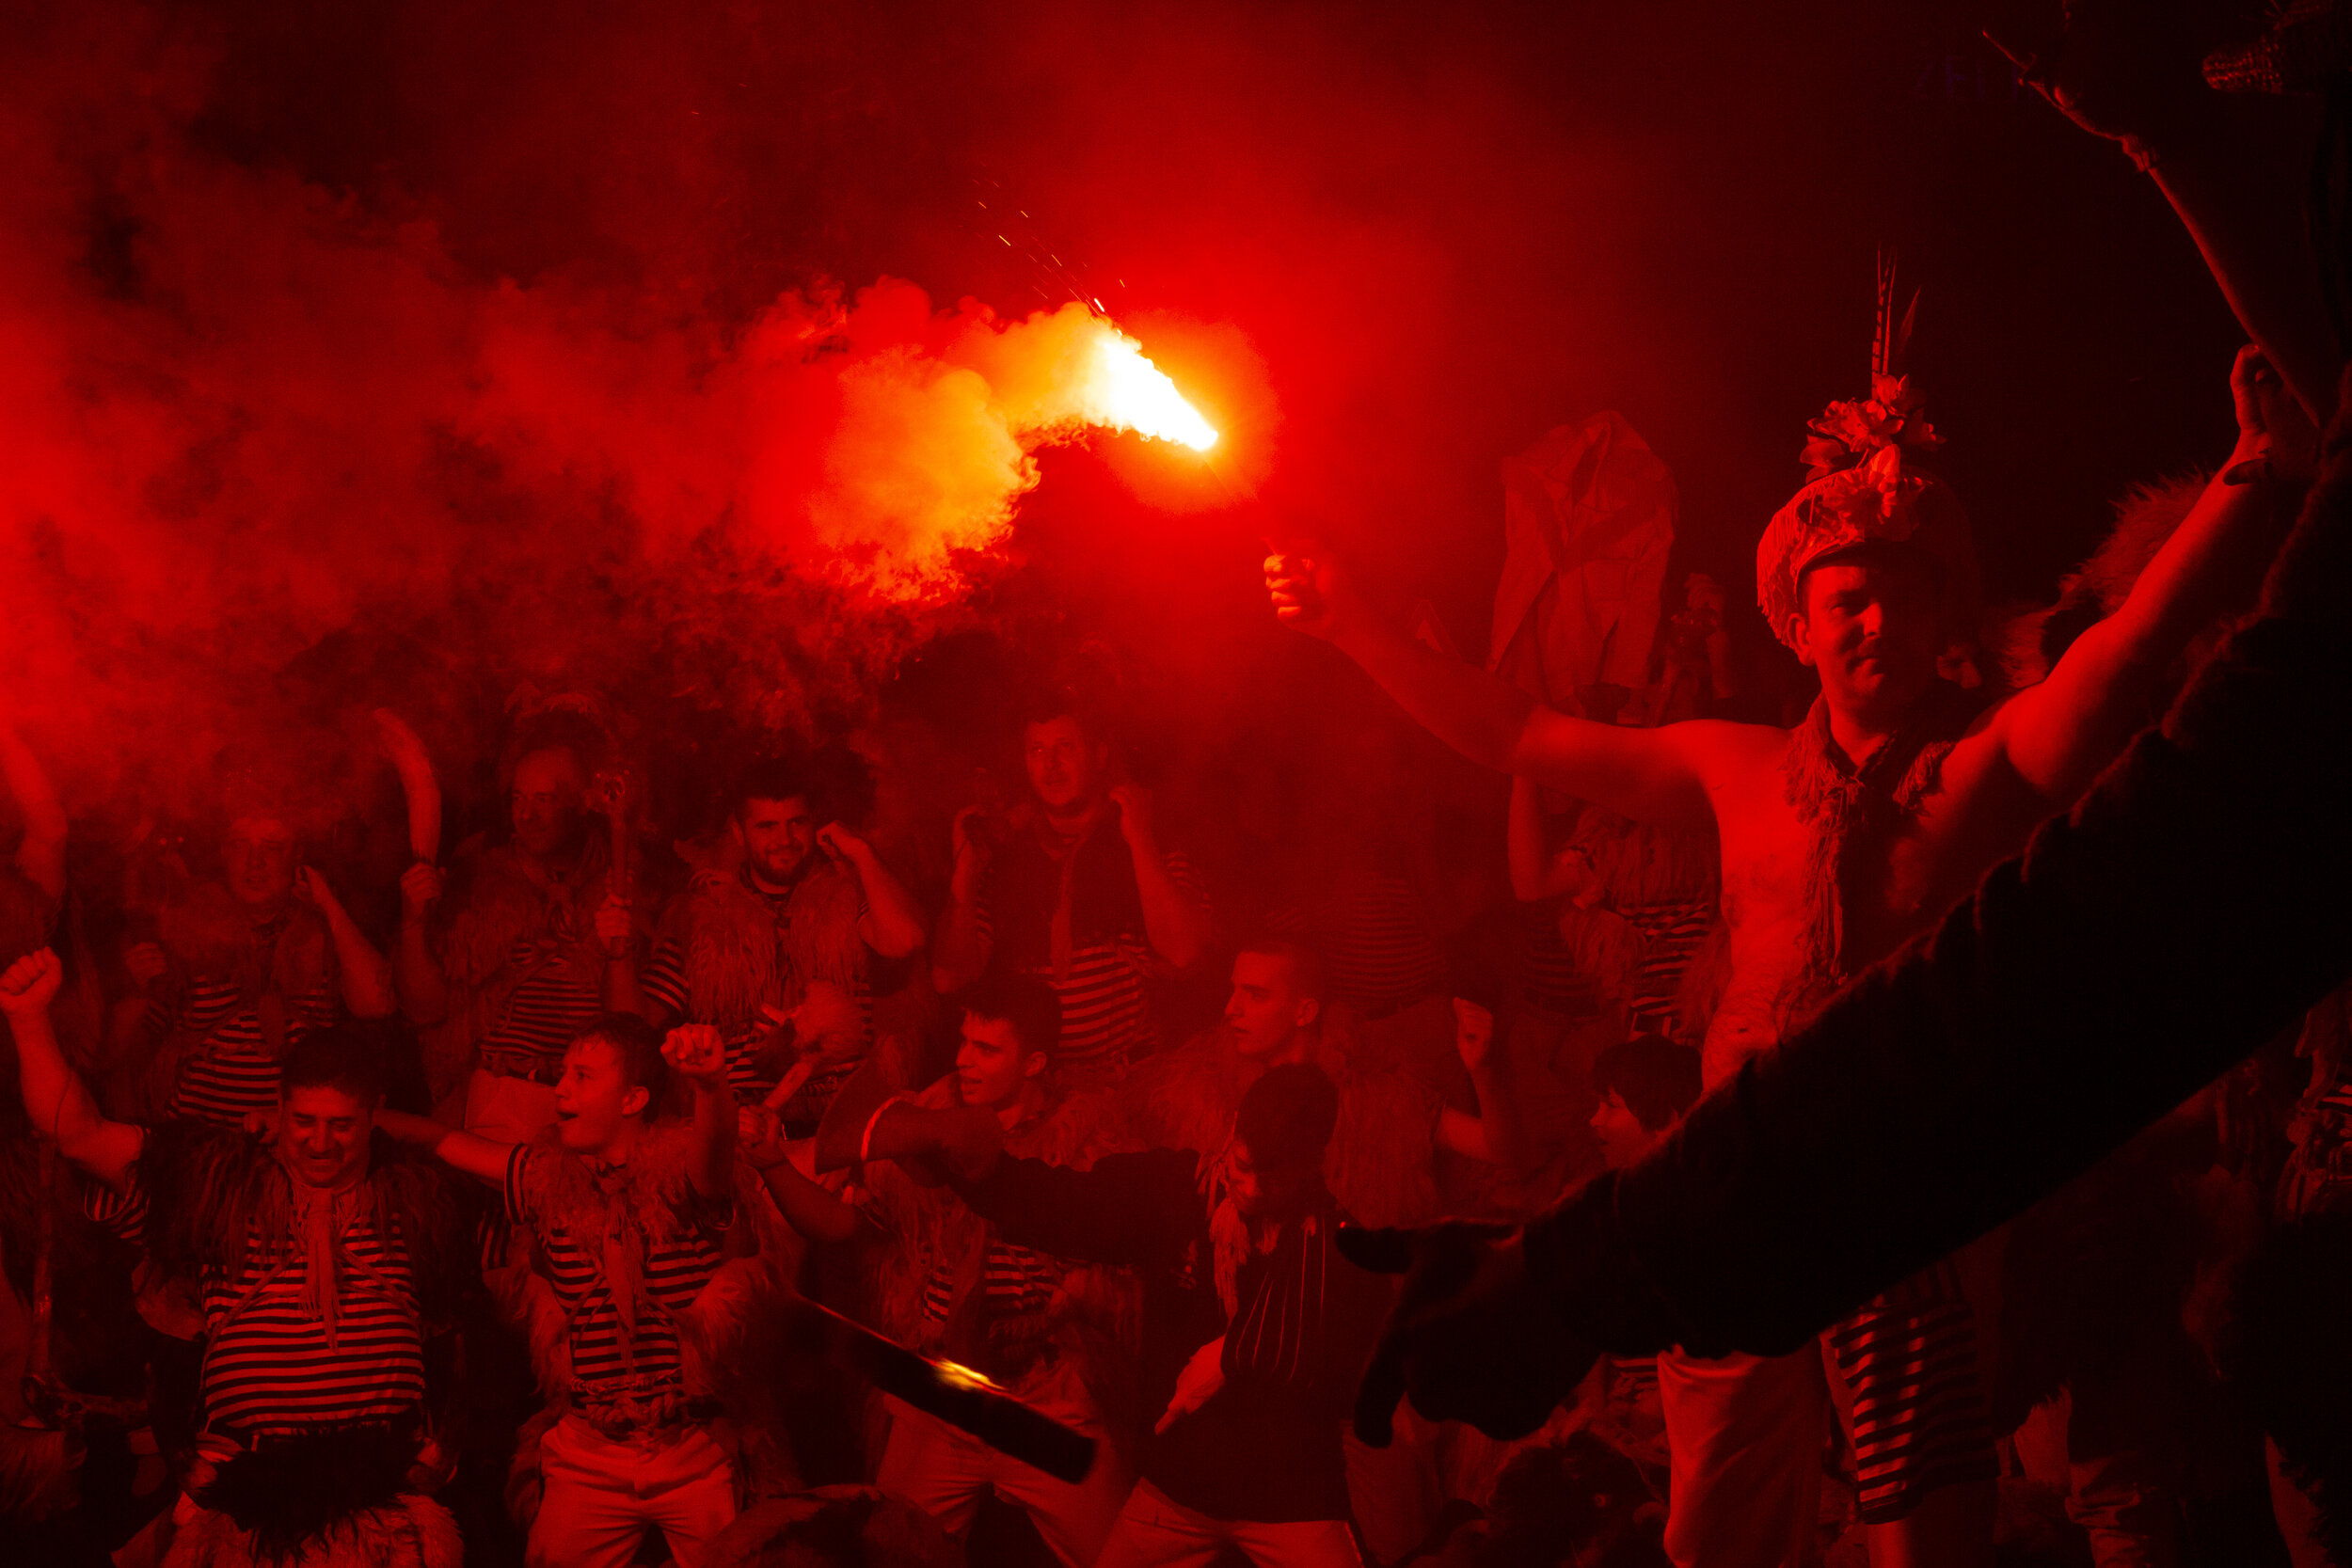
(1837, 839)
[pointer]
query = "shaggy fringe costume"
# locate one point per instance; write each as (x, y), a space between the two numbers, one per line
(508, 927)
(212, 937)
(1095, 1318)
(720, 1341)
(739, 958)
(338, 1496)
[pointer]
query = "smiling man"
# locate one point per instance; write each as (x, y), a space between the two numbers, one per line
(1049, 1329)
(631, 1220)
(1839, 838)
(1076, 888)
(317, 1258)
(777, 954)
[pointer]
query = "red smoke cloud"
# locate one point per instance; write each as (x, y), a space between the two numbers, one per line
(244, 420)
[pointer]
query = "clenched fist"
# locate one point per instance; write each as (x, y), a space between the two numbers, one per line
(29, 984)
(697, 1052)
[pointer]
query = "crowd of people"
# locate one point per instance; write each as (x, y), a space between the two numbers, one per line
(486, 1214)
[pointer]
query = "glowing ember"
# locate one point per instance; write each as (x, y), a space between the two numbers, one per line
(1127, 391)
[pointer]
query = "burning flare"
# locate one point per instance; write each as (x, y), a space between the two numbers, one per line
(1127, 391)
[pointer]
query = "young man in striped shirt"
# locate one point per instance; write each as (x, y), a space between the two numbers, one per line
(1255, 1326)
(1045, 1327)
(775, 953)
(1075, 889)
(541, 944)
(246, 966)
(631, 1218)
(316, 1261)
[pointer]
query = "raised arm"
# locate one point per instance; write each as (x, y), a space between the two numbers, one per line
(698, 1053)
(1647, 774)
(2058, 734)
(467, 1151)
(42, 854)
(962, 950)
(1175, 922)
(806, 1206)
(417, 975)
(55, 1099)
(367, 979)
(893, 924)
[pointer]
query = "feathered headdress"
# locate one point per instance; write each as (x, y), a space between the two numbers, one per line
(1863, 483)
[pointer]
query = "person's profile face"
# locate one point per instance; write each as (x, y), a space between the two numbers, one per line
(1623, 1138)
(991, 1065)
(1262, 1013)
(594, 1097)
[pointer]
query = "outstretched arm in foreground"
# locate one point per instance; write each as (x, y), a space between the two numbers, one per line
(467, 1151)
(2056, 735)
(2186, 909)
(1650, 775)
(57, 1099)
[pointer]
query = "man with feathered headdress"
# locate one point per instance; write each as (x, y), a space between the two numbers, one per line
(1838, 838)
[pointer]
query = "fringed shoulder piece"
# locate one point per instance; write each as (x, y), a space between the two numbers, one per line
(734, 963)
(499, 904)
(1853, 815)
(1381, 1165)
(1184, 1097)
(204, 1186)
(2028, 645)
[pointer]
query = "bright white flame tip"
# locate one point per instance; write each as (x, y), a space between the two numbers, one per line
(1135, 394)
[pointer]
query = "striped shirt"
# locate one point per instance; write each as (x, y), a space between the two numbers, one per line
(1672, 936)
(1381, 950)
(675, 1272)
(1920, 1420)
(665, 981)
(270, 1365)
(231, 1070)
(1015, 1281)
(1105, 1023)
(550, 1006)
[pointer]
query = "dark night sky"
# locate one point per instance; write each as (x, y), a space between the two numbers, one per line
(1443, 227)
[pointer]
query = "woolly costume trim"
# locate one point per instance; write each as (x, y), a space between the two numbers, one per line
(1640, 863)
(500, 906)
(1096, 1314)
(411, 1532)
(636, 1214)
(212, 935)
(739, 957)
(1853, 816)
(209, 1189)
(2029, 645)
